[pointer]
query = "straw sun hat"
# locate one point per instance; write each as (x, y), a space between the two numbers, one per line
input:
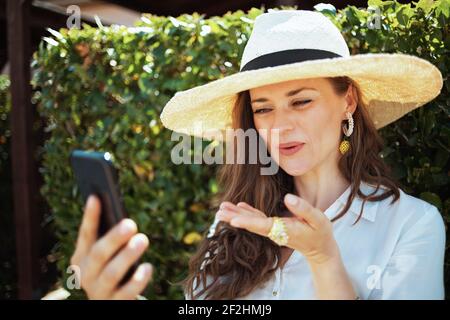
(296, 44)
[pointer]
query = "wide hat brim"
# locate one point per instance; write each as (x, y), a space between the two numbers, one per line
(391, 86)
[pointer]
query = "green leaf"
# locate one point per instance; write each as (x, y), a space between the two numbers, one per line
(426, 5)
(432, 198)
(443, 8)
(353, 15)
(374, 3)
(404, 15)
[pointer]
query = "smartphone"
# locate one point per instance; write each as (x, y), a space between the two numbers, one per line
(95, 174)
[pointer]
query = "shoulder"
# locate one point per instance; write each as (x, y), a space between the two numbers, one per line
(410, 213)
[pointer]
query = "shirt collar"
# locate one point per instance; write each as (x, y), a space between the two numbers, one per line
(370, 208)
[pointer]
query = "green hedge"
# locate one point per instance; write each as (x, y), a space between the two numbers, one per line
(8, 279)
(104, 88)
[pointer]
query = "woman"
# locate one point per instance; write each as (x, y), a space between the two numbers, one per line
(331, 223)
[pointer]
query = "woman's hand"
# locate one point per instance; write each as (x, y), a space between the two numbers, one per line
(103, 262)
(310, 231)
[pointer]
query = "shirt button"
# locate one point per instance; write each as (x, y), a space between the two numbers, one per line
(275, 293)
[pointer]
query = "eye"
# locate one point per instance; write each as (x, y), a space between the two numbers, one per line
(301, 102)
(261, 110)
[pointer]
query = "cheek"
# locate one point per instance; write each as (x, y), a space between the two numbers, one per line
(323, 132)
(320, 129)
(260, 123)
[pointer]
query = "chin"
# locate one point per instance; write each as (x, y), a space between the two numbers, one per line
(295, 167)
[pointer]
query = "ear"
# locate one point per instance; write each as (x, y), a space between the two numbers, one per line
(351, 99)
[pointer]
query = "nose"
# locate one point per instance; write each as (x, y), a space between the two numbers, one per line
(282, 121)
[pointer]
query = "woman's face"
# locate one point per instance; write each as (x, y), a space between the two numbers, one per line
(307, 114)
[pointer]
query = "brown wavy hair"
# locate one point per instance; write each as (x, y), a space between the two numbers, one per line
(233, 262)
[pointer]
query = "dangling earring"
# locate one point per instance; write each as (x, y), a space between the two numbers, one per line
(345, 144)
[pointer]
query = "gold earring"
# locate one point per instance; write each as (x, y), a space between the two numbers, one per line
(344, 146)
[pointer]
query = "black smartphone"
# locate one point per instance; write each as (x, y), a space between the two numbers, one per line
(95, 174)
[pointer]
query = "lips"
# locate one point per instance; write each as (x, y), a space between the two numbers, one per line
(290, 148)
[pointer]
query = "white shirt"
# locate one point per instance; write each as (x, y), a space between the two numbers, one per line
(393, 252)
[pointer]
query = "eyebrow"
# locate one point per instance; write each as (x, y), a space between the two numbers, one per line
(289, 94)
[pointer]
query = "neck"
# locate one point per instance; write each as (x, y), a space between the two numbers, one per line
(321, 186)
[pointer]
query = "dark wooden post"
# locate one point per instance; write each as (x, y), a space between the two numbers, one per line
(23, 148)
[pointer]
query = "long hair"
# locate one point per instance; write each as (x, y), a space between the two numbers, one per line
(233, 262)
